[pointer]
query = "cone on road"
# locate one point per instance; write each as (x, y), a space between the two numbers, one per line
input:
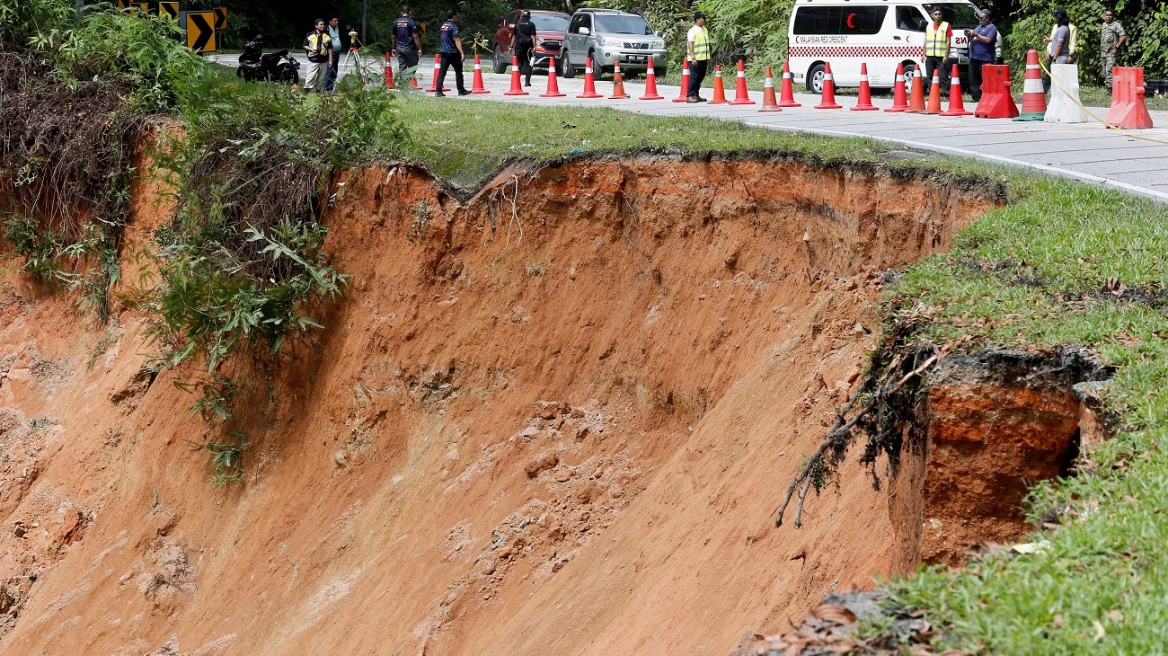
(719, 97)
(934, 106)
(553, 85)
(516, 88)
(589, 82)
(827, 101)
(769, 104)
(741, 94)
(414, 80)
(651, 85)
(477, 85)
(388, 72)
(1033, 95)
(618, 83)
(864, 102)
(916, 100)
(434, 82)
(956, 107)
(787, 93)
(681, 97)
(899, 102)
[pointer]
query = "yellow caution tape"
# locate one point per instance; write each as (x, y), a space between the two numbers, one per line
(1088, 112)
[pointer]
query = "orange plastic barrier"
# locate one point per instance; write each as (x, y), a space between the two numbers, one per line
(1128, 110)
(996, 101)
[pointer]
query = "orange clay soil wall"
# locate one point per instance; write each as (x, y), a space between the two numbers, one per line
(555, 418)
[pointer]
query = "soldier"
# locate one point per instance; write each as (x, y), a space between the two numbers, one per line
(1111, 39)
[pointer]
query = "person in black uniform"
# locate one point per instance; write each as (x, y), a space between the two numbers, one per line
(406, 41)
(524, 42)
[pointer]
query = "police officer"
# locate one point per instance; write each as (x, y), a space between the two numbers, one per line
(406, 41)
(524, 43)
(450, 48)
(937, 37)
(1111, 39)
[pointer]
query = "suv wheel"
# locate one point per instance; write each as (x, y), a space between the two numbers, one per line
(565, 65)
(498, 63)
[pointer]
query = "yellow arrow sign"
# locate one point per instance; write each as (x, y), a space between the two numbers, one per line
(220, 18)
(168, 9)
(134, 7)
(200, 26)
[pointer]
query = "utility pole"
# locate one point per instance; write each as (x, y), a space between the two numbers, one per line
(364, 15)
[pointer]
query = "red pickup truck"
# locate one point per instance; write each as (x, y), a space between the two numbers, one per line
(549, 32)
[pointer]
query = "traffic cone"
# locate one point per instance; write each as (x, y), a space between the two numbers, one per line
(618, 83)
(434, 82)
(477, 85)
(516, 88)
(916, 99)
(1033, 95)
(719, 97)
(681, 97)
(956, 107)
(828, 99)
(553, 85)
(741, 95)
(769, 104)
(589, 82)
(864, 102)
(651, 85)
(935, 93)
(414, 80)
(388, 72)
(899, 102)
(787, 93)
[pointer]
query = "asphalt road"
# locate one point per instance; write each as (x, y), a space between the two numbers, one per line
(1135, 161)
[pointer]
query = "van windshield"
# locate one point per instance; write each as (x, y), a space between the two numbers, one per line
(622, 25)
(958, 14)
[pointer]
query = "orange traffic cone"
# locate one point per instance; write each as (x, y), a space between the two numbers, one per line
(956, 107)
(477, 85)
(934, 106)
(916, 100)
(414, 80)
(864, 102)
(1033, 95)
(618, 83)
(769, 104)
(651, 85)
(828, 99)
(899, 102)
(388, 72)
(719, 97)
(516, 88)
(741, 95)
(434, 82)
(787, 93)
(681, 97)
(553, 85)
(589, 82)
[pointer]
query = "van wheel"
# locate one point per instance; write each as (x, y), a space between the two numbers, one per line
(815, 79)
(910, 71)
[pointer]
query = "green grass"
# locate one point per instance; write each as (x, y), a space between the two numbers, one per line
(1034, 274)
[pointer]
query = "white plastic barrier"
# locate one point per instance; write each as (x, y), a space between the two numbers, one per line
(1065, 106)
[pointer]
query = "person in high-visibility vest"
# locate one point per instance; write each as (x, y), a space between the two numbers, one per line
(697, 45)
(938, 34)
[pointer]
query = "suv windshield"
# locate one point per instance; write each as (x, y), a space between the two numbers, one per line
(551, 23)
(622, 24)
(958, 14)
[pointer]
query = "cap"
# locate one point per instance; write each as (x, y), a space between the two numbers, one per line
(699, 14)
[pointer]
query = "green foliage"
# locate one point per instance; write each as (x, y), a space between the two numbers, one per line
(754, 28)
(226, 459)
(24, 22)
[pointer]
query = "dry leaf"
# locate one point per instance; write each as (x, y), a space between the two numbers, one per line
(836, 613)
(1115, 616)
(1099, 632)
(1058, 621)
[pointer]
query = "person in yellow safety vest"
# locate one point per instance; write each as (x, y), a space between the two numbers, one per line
(938, 35)
(697, 44)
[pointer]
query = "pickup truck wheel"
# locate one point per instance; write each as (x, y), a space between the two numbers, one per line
(498, 61)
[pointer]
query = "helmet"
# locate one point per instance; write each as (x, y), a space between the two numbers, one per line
(525, 15)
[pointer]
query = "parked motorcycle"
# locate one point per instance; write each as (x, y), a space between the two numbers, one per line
(257, 66)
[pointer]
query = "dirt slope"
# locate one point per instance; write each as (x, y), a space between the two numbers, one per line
(556, 418)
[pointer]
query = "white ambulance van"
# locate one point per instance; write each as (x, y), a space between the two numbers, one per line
(879, 33)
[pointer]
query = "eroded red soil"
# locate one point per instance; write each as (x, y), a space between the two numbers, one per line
(556, 418)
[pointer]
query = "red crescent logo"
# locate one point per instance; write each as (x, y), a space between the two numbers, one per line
(850, 17)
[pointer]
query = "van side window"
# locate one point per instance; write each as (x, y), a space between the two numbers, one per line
(839, 20)
(910, 18)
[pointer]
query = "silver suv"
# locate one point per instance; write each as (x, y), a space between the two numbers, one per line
(608, 36)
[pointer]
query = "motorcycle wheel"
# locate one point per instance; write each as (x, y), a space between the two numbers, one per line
(289, 77)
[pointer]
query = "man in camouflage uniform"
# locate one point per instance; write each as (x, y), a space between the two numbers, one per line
(1111, 39)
